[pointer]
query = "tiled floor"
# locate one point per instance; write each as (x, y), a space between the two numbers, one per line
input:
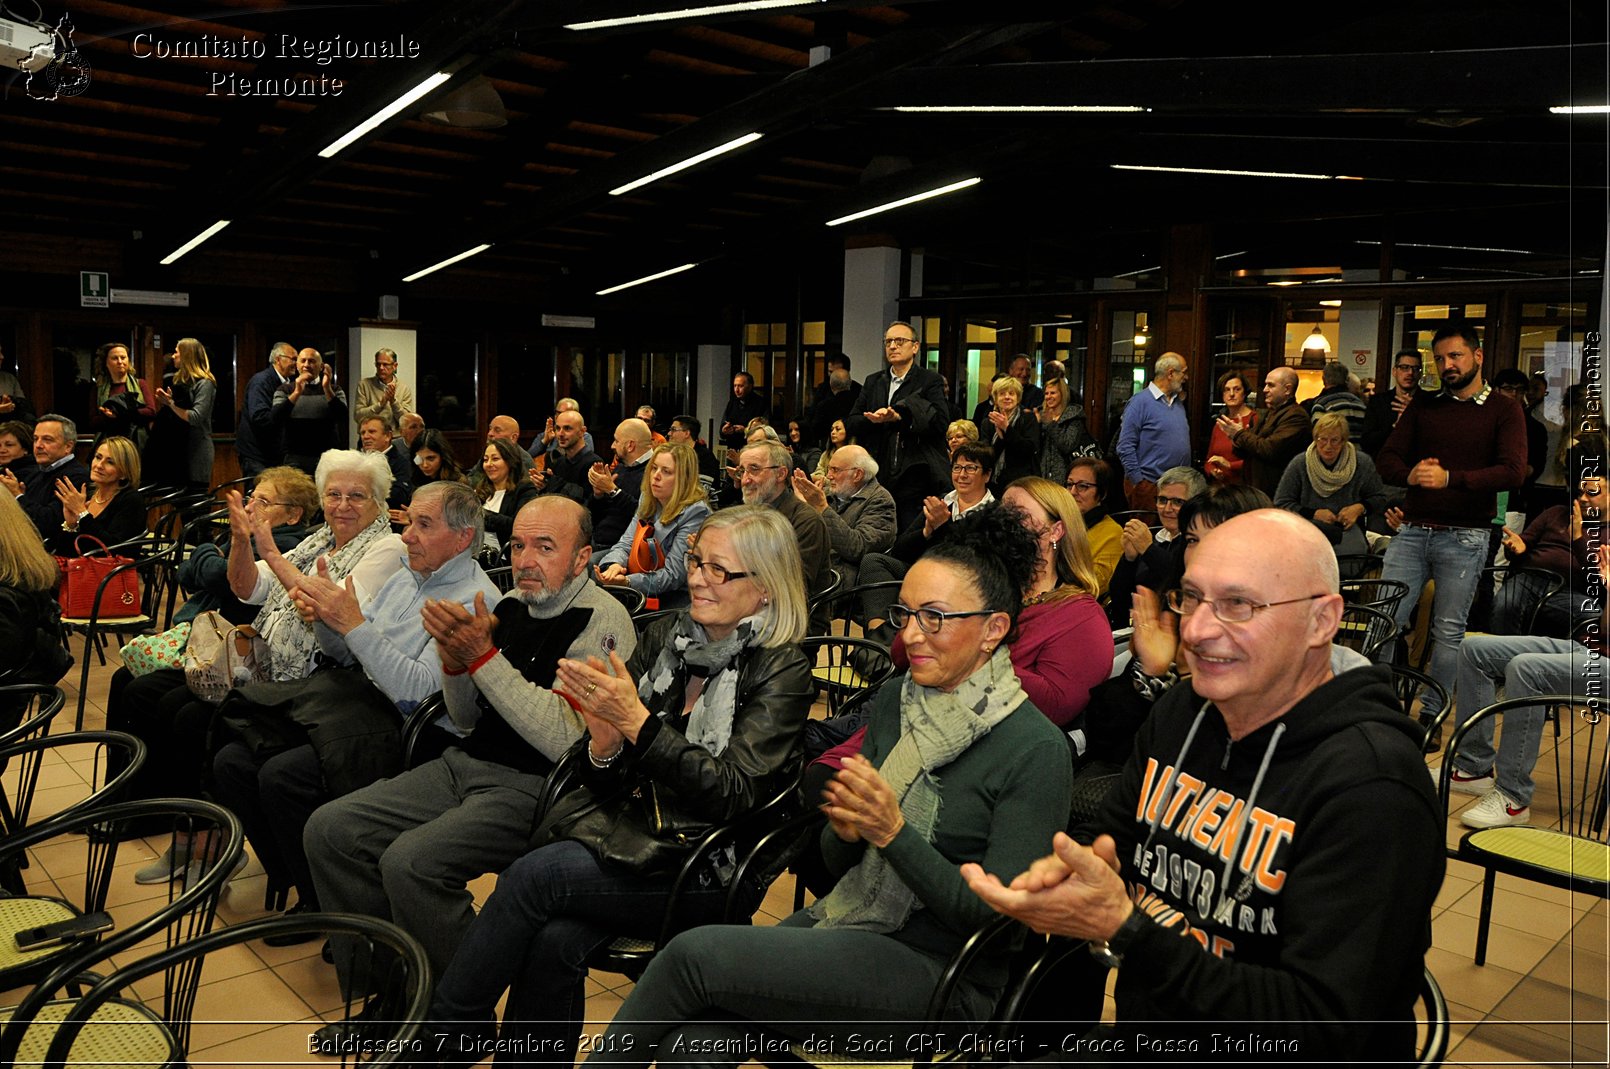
(1541, 999)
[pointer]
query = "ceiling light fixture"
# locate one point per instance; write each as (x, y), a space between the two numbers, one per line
(374, 121)
(1235, 174)
(450, 261)
(735, 143)
(1580, 109)
(646, 278)
(903, 201)
(688, 13)
(193, 242)
(1455, 248)
(1019, 109)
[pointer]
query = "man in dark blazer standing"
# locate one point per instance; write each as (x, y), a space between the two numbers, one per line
(901, 421)
(257, 439)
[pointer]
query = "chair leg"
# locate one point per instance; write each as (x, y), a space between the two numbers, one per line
(83, 688)
(1486, 915)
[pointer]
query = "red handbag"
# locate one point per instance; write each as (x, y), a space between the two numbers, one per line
(81, 577)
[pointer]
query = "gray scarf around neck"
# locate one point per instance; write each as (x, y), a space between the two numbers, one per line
(935, 728)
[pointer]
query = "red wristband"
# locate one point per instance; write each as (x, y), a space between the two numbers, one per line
(475, 665)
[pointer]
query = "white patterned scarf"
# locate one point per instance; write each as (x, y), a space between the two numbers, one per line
(291, 644)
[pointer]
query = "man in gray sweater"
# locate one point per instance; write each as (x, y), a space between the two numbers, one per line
(405, 848)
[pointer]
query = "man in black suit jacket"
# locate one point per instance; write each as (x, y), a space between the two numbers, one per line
(567, 461)
(744, 406)
(901, 422)
(836, 398)
(55, 438)
(257, 438)
(616, 494)
(374, 434)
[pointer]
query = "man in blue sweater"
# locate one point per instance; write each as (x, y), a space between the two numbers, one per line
(1156, 434)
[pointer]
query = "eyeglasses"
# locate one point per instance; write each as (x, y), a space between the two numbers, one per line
(1082, 487)
(831, 470)
(929, 621)
(1170, 503)
(1231, 610)
(966, 469)
(333, 498)
(1405, 367)
(714, 574)
(756, 469)
(259, 499)
(899, 341)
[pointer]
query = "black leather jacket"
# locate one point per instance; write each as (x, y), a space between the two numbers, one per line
(693, 789)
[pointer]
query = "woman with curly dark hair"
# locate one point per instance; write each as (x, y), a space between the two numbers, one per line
(958, 766)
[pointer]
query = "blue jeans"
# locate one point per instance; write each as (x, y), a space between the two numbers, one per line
(1527, 665)
(551, 910)
(1454, 559)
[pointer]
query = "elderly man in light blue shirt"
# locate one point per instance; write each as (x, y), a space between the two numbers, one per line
(1156, 434)
(346, 714)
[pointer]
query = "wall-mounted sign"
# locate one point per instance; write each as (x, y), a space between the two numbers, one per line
(584, 322)
(165, 298)
(94, 289)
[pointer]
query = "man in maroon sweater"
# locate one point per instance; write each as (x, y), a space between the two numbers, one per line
(1455, 450)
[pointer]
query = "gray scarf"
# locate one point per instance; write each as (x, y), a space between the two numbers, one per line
(710, 719)
(1330, 481)
(291, 644)
(935, 728)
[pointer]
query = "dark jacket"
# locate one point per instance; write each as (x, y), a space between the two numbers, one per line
(693, 789)
(1378, 421)
(739, 411)
(613, 514)
(257, 437)
(828, 406)
(205, 574)
(122, 519)
(1060, 440)
(402, 474)
(568, 475)
(1311, 949)
(30, 640)
(1017, 452)
(39, 494)
(1268, 446)
(914, 448)
(501, 522)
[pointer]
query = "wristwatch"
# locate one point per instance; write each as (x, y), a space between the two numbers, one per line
(1110, 952)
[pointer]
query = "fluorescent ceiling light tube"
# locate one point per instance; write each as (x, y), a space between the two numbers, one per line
(450, 261)
(1237, 174)
(1580, 109)
(1454, 248)
(1019, 109)
(193, 242)
(688, 13)
(903, 201)
(647, 278)
(735, 143)
(384, 113)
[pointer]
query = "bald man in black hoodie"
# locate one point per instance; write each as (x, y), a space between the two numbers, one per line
(1265, 868)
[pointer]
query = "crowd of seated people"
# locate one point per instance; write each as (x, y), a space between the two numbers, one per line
(948, 795)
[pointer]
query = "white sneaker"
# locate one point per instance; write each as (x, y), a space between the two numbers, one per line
(170, 865)
(1464, 783)
(1496, 810)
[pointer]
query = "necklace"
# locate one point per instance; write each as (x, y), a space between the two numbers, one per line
(1035, 599)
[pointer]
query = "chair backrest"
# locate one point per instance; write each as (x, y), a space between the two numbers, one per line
(1146, 516)
(186, 912)
(630, 597)
(642, 621)
(1383, 594)
(1359, 565)
(1581, 761)
(846, 667)
(1435, 1009)
(1365, 629)
(1414, 685)
(859, 603)
(21, 762)
(830, 586)
(36, 705)
(389, 957)
(1520, 594)
(502, 577)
